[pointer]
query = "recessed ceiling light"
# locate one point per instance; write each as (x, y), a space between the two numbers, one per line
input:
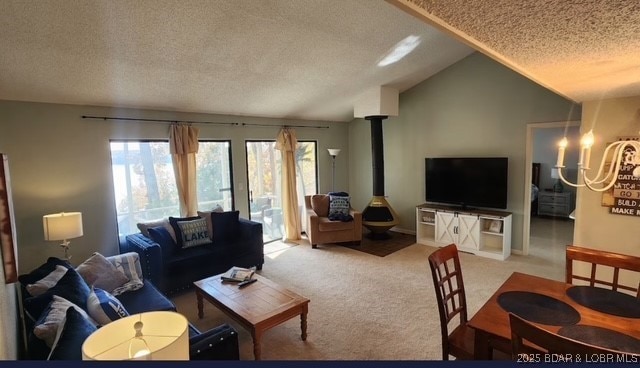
(400, 50)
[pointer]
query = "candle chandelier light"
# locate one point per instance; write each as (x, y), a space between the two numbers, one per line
(625, 155)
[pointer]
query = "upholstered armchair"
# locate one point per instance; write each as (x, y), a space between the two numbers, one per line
(321, 230)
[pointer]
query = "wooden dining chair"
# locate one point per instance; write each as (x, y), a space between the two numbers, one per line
(452, 304)
(600, 259)
(523, 331)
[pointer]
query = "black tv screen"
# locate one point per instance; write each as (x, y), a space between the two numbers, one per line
(467, 181)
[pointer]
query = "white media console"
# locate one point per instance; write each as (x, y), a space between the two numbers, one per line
(482, 232)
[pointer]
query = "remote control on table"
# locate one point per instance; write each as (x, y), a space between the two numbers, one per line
(245, 283)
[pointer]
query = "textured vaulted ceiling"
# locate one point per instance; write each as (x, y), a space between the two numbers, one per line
(307, 59)
(582, 49)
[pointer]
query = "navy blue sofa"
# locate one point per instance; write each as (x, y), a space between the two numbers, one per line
(173, 269)
(219, 343)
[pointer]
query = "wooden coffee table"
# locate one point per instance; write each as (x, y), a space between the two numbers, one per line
(258, 306)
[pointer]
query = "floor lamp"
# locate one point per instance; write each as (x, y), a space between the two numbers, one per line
(333, 152)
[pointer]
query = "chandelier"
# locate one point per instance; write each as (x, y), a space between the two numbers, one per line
(625, 163)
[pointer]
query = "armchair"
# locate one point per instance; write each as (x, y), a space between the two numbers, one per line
(321, 230)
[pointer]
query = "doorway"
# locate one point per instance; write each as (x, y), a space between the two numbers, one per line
(548, 227)
(264, 183)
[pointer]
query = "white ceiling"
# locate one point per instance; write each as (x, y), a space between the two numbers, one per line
(306, 59)
(581, 49)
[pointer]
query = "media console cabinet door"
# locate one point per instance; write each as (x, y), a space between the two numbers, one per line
(445, 227)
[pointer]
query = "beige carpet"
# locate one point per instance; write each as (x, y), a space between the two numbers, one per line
(364, 307)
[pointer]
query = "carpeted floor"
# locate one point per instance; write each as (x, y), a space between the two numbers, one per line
(384, 247)
(364, 307)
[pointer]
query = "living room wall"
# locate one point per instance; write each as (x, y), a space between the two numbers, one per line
(598, 228)
(61, 162)
(475, 107)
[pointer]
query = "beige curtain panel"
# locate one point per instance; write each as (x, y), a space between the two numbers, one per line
(183, 140)
(287, 143)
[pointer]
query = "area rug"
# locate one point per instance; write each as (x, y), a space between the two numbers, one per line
(384, 247)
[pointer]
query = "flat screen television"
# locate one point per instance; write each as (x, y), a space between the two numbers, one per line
(467, 181)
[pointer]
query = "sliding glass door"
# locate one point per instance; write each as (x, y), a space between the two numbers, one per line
(264, 183)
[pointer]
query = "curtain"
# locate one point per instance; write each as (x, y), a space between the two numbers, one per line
(183, 140)
(287, 143)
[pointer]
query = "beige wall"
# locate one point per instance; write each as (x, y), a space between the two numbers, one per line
(595, 226)
(474, 108)
(61, 162)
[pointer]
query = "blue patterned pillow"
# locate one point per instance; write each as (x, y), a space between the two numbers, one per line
(194, 232)
(71, 335)
(176, 229)
(129, 264)
(104, 307)
(338, 205)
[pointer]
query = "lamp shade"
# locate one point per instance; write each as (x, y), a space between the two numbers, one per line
(554, 174)
(62, 226)
(165, 336)
(334, 151)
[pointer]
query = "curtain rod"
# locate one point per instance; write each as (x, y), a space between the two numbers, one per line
(200, 122)
(286, 126)
(156, 120)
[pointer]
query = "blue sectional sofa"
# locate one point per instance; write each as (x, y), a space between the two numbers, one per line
(234, 242)
(39, 309)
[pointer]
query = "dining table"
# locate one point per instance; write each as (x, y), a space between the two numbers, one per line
(589, 314)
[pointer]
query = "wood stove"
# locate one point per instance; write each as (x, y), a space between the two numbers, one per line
(378, 216)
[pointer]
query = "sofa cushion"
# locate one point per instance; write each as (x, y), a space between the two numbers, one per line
(226, 226)
(327, 225)
(46, 327)
(104, 307)
(71, 335)
(320, 204)
(97, 271)
(148, 298)
(71, 287)
(161, 236)
(174, 224)
(338, 206)
(194, 232)
(41, 286)
(207, 216)
(42, 270)
(129, 265)
(164, 222)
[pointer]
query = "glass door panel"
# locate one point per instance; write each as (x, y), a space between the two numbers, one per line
(264, 183)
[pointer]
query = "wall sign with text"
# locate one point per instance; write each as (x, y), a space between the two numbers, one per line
(626, 191)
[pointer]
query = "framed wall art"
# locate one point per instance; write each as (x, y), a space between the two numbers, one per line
(7, 225)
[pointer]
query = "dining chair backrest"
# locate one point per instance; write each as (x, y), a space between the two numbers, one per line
(596, 258)
(522, 330)
(449, 287)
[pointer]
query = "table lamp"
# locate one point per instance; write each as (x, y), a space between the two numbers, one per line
(63, 226)
(146, 336)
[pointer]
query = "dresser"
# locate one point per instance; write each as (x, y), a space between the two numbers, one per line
(554, 204)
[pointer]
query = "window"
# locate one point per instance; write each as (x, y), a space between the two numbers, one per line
(144, 184)
(263, 173)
